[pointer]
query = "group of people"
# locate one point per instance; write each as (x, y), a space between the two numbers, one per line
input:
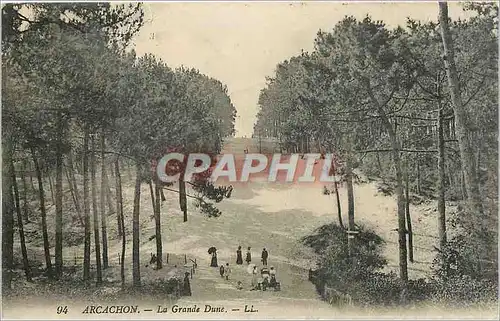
(248, 259)
(225, 271)
(267, 275)
(267, 279)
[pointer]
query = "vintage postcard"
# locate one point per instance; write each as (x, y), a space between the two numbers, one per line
(249, 160)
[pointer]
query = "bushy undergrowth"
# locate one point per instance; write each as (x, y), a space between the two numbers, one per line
(360, 276)
(163, 286)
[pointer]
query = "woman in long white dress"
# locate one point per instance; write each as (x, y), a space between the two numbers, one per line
(254, 277)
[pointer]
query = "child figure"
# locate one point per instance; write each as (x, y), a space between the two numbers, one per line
(227, 271)
(221, 271)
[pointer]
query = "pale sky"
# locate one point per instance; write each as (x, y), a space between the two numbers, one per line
(240, 43)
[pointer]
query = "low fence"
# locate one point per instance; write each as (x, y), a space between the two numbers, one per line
(168, 260)
(329, 294)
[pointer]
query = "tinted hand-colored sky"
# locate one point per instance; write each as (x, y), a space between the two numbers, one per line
(240, 43)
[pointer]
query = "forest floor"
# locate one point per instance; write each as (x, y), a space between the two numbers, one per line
(258, 214)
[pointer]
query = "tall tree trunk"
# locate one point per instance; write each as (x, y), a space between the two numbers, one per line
(162, 193)
(403, 264)
(379, 165)
(72, 178)
(118, 190)
(59, 200)
(7, 213)
(121, 219)
(450, 177)
(97, 242)
(73, 196)
(51, 186)
(25, 193)
(157, 209)
(350, 204)
(478, 163)
(339, 207)
(462, 185)
(152, 194)
(280, 137)
(136, 272)
(43, 213)
(24, 252)
(31, 181)
(441, 180)
(86, 207)
(460, 113)
(109, 196)
(419, 182)
(408, 216)
(103, 205)
(182, 197)
(350, 195)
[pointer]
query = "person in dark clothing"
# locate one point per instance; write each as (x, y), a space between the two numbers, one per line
(239, 257)
(213, 252)
(214, 260)
(186, 289)
(221, 271)
(249, 256)
(272, 281)
(264, 256)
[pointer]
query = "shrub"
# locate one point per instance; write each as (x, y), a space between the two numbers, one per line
(354, 274)
(163, 286)
(378, 289)
(464, 290)
(463, 280)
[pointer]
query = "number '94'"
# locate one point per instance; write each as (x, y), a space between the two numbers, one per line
(62, 309)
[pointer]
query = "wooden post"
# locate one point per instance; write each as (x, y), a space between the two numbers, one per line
(119, 259)
(185, 259)
(167, 258)
(350, 236)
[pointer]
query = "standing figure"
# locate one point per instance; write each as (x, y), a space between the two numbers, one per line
(213, 252)
(214, 260)
(272, 281)
(227, 271)
(254, 278)
(186, 289)
(239, 257)
(264, 256)
(249, 256)
(221, 271)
